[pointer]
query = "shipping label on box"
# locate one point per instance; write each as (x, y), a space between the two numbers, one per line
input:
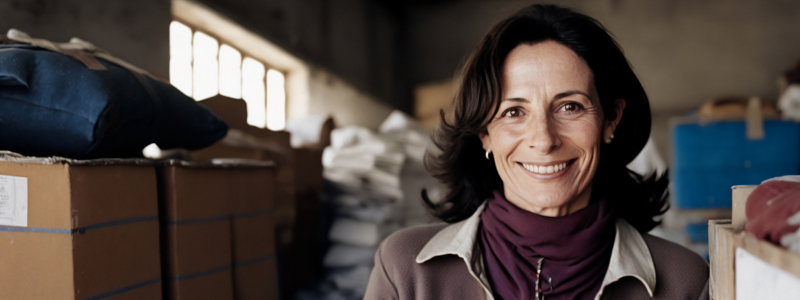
(90, 229)
(13, 201)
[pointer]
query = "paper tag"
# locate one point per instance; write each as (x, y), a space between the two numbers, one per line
(13, 201)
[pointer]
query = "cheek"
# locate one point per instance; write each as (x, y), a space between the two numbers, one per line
(505, 137)
(586, 134)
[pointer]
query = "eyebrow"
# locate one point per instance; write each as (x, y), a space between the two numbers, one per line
(570, 93)
(516, 100)
(558, 96)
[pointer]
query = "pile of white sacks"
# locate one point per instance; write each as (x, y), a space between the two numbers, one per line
(378, 178)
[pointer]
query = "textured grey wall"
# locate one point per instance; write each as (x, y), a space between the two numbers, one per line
(136, 31)
(356, 39)
(685, 52)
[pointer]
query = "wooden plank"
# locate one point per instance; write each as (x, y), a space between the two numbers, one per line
(740, 194)
(680, 218)
(713, 228)
(724, 285)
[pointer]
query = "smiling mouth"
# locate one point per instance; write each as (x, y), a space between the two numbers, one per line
(547, 168)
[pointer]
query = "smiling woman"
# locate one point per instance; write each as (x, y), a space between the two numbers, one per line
(546, 117)
(546, 136)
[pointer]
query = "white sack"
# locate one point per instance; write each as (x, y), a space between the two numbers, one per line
(340, 255)
(353, 232)
(354, 279)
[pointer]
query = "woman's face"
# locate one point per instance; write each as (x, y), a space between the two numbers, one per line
(547, 133)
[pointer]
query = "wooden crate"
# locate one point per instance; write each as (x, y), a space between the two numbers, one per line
(725, 236)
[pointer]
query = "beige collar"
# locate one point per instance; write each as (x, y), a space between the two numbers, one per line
(629, 257)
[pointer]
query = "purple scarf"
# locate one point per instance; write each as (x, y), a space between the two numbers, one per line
(576, 249)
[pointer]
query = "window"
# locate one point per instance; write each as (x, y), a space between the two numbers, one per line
(201, 68)
(253, 91)
(276, 100)
(230, 72)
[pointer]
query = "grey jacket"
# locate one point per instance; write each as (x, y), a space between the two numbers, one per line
(444, 262)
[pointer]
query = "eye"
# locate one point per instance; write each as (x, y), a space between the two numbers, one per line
(513, 112)
(571, 107)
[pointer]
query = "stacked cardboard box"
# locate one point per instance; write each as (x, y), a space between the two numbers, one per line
(298, 184)
(217, 233)
(301, 258)
(78, 229)
(249, 142)
(252, 204)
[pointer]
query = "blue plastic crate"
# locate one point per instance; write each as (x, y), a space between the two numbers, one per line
(710, 158)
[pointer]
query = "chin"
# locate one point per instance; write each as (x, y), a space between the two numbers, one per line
(551, 200)
(534, 201)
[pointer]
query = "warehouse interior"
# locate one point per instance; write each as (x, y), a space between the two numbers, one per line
(308, 146)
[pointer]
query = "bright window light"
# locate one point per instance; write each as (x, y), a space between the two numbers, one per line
(230, 72)
(180, 76)
(276, 100)
(180, 60)
(253, 91)
(206, 67)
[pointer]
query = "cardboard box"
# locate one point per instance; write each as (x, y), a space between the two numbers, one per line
(301, 257)
(298, 184)
(234, 112)
(89, 229)
(217, 236)
(430, 98)
(254, 259)
(220, 150)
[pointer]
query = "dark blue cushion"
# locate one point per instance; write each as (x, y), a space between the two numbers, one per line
(52, 104)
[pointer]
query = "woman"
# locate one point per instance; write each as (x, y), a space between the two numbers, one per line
(547, 115)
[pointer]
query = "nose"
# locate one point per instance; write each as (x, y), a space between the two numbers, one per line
(542, 135)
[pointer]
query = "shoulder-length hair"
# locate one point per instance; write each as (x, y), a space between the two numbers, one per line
(460, 163)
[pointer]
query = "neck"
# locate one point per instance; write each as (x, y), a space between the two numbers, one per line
(575, 204)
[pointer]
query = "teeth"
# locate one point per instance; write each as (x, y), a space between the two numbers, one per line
(545, 169)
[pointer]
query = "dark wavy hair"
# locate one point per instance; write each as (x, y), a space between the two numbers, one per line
(470, 179)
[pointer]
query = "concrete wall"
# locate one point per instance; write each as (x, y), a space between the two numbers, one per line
(350, 45)
(136, 31)
(685, 52)
(355, 39)
(311, 90)
(330, 95)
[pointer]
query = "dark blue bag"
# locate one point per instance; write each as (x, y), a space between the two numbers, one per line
(52, 104)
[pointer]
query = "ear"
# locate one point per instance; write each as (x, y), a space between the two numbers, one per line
(611, 125)
(485, 140)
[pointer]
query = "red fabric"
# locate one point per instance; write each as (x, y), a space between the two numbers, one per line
(576, 250)
(768, 208)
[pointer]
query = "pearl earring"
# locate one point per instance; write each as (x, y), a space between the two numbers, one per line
(608, 141)
(487, 152)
